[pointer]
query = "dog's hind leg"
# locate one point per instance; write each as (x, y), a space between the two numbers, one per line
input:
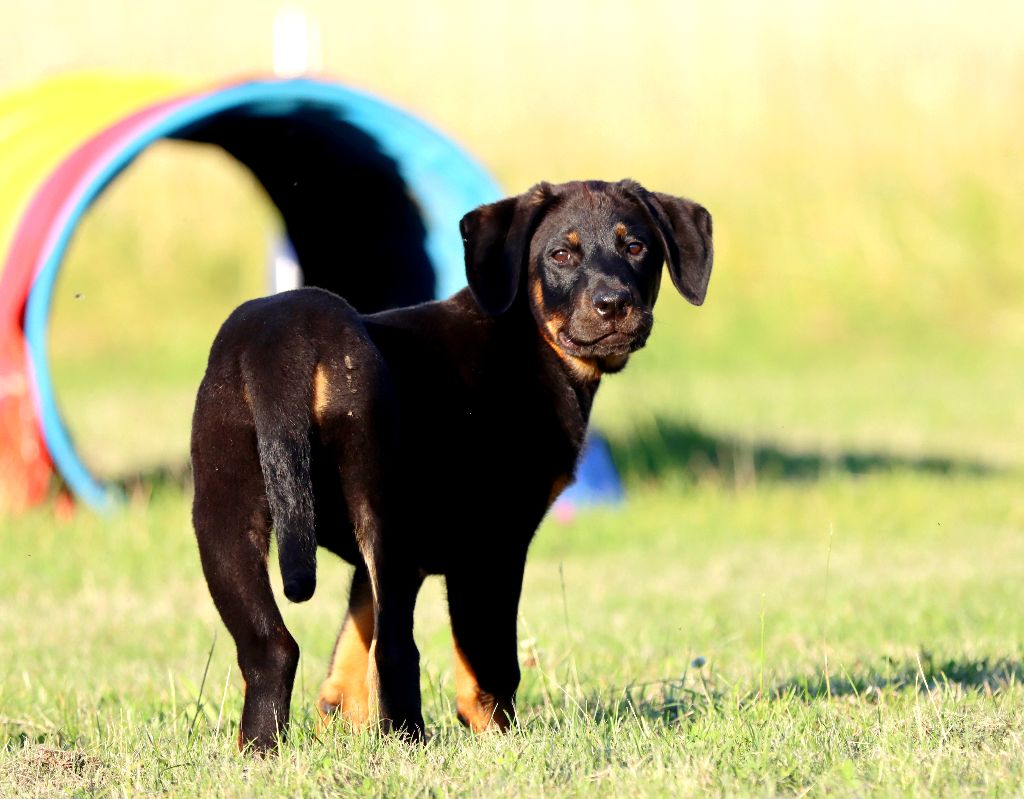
(394, 674)
(355, 410)
(355, 687)
(346, 690)
(232, 524)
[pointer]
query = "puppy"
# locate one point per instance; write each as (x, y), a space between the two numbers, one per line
(424, 440)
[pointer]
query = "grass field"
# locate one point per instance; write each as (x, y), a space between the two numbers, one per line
(903, 587)
(815, 587)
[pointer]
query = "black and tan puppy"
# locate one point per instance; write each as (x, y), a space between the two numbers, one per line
(425, 440)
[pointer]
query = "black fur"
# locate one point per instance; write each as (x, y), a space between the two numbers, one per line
(424, 440)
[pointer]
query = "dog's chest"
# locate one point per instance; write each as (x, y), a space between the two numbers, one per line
(489, 464)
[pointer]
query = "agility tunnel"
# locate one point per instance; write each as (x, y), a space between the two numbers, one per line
(330, 158)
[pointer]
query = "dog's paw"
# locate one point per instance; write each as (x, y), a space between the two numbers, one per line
(335, 702)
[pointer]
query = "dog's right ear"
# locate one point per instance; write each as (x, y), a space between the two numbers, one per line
(497, 243)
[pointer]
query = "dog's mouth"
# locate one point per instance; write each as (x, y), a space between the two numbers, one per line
(610, 343)
(614, 339)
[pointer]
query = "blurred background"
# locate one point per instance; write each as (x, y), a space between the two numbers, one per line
(863, 161)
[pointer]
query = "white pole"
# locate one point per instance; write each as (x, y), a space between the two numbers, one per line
(296, 43)
(297, 52)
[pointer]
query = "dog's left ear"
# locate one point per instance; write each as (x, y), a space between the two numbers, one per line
(496, 238)
(685, 229)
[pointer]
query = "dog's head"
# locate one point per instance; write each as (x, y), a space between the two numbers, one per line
(588, 257)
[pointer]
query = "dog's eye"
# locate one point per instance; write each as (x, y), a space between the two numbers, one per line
(560, 256)
(635, 247)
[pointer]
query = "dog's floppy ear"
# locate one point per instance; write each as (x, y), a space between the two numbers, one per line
(685, 229)
(497, 242)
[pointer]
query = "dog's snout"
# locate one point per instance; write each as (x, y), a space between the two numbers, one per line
(612, 304)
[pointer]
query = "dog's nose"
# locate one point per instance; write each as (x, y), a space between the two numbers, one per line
(613, 304)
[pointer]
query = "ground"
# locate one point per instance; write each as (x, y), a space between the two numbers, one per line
(835, 633)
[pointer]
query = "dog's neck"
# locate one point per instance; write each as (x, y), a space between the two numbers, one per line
(570, 383)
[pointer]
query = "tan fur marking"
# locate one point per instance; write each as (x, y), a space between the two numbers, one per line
(321, 392)
(537, 292)
(583, 368)
(573, 238)
(551, 328)
(620, 230)
(476, 708)
(347, 688)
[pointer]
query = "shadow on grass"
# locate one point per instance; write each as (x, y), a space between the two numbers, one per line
(157, 479)
(927, 673)
(666, 447)
(697, 693)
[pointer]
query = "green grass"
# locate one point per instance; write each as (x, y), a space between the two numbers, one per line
(823, 464)
(902, 586)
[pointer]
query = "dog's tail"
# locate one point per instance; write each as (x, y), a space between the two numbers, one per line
(279, 392)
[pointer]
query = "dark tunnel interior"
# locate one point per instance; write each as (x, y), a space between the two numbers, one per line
(346, 209)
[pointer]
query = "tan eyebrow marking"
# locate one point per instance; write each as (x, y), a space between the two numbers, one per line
(573, 237)
(620, 230)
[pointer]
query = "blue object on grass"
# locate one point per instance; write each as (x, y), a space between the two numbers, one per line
(597, 479)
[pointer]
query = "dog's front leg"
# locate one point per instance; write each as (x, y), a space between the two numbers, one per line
(483, 602)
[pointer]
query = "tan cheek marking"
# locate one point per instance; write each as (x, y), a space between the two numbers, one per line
(321, 392)
(551, 325)
(583, 368)
(552, 322)
(478, 710)
(537, 292)
(346, 688)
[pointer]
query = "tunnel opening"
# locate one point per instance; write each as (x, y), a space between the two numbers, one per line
(369, 196)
